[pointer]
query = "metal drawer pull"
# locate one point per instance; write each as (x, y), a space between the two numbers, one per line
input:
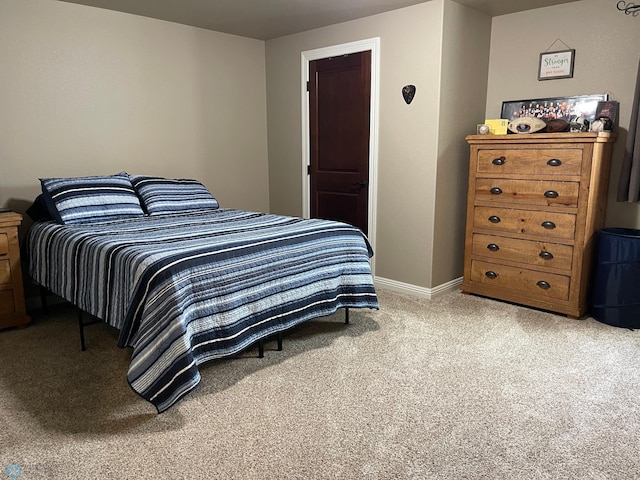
(493, 247)
(554, 162)
(551, 194)
(543, 285)
(494, 219)
(496, 191)
(546, 255)
(499, 161)
(548, 225)
(491, 275)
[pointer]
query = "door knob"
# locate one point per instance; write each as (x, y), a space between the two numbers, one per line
(360, 185)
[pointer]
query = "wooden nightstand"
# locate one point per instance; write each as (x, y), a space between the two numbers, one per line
(12, 308)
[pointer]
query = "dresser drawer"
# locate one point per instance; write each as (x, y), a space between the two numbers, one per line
(4, 244)
(529, 282)
(541, 254)
(527, 222)
(551, 161)
(527, 192)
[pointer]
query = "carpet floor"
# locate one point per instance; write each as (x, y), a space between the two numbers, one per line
(458, 387)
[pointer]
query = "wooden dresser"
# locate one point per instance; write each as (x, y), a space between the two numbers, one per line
(535, 205)
(12, 307)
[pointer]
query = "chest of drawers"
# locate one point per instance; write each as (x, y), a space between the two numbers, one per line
(12, 306)
(535, 205)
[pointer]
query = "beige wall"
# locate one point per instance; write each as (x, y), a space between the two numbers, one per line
(607, 44)
(86, 91)
(415, 146)
(410, 41)
(467, 64)
(465, 60)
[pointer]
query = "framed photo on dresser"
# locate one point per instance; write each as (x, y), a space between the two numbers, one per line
(566, 108)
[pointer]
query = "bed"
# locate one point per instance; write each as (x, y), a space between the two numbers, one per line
(188, 284)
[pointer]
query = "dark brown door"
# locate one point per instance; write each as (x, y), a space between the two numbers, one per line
(339, 106)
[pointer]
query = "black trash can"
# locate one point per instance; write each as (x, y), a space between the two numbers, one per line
(615, 298)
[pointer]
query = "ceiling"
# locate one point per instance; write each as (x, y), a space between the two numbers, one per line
(266, 19)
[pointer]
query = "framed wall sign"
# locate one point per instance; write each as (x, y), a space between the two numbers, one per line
(556, 64)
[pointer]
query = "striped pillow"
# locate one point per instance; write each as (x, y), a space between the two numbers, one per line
(170, 195)
(87, 199)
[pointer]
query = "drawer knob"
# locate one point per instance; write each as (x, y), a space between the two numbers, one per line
(494, 219)
(551, 194)
(491, 275)
(554, 162)
(546, 255)
(493, 247)
(499, 161)
(543, 285)
(548, 225)
(496, 191)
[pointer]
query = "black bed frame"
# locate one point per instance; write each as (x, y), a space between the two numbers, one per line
(85, 319)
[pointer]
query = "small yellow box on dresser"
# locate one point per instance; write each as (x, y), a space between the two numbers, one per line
(497, 126)
(12, 307)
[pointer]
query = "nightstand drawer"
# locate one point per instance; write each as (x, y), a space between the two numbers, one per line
(12, 307)
(527, 192)
(543, 161)
(4, 244)
(525, 222)
(7, 303)
(5, 272)
(530, 282)
(541, 254)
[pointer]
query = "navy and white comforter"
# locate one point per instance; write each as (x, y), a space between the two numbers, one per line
(184, 289)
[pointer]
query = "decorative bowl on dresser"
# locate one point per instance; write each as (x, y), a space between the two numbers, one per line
(536, 203)
(12, 306)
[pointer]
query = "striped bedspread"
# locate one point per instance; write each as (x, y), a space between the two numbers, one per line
(184, 289)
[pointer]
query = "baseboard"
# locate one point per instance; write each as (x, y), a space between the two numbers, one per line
(35, 302)
(414, 290)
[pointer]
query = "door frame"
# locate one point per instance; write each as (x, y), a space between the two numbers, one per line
(372, 44)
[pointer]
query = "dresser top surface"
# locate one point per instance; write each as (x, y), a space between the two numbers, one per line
(543, 138)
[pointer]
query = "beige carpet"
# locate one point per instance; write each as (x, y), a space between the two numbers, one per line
(455, 387)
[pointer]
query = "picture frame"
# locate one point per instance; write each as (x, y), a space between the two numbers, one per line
(566, 108)
(558, 64)
(608, 109)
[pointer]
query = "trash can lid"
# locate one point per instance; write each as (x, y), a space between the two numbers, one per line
(623, 232)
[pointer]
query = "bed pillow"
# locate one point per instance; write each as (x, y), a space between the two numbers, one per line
(38, 211)
(172, 195)
(87, 199)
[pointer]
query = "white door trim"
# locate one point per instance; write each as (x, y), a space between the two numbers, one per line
(372, 44)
